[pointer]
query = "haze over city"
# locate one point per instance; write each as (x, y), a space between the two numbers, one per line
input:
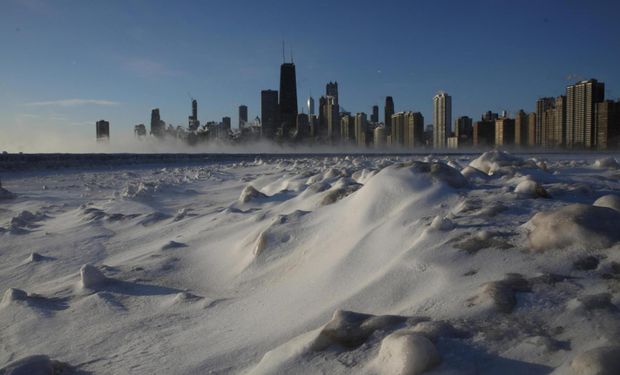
(66, 64)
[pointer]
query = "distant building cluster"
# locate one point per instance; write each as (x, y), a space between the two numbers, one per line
(580, 119)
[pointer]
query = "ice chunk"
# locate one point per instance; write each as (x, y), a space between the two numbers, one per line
(608, 162)
(34, 365)
(492, 161)
(604, 360)
(442, 223)
(406, 353)
(13, 294)
(250, 193)
(609, 201)
(574, 225)
(92, 277)
(532, 189)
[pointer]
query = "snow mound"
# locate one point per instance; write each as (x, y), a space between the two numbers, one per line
(406, 353)
(173, 245)
(442, 224)
(350, 329)
(141, 190)
(34, 365)
(26, 219)
(250, 193)
(574, 225)
(472, 173)
(436, 329)
(492, 161)
(608, 162)
(5, 194)
(440, 172)
(610, 201)
(604, 360)
(502, 293)
(531, 189)
(91, 277)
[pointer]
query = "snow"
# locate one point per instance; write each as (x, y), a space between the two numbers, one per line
(406, 353)
(302, 264)
(574, 225)
(609, 201)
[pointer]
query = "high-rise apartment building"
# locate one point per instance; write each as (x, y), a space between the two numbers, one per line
(542, 126)
(332, 117)
(504, 131)
(270, 113)
(608, 125)
(379, 136)
(414, 130)
(158, 127)
(375, 114)
(347, 128)
(103, 131)
(361, 126)
(531, 129)
(464, 131)
(442, 119)
(243, 116)
(521, 122)
(581, 99)
(388, 111)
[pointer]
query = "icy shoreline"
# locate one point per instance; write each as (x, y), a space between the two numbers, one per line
(372, 264)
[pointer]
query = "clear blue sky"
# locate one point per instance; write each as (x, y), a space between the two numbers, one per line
(65, 64)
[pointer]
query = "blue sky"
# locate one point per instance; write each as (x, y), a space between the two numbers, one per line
(65, 64)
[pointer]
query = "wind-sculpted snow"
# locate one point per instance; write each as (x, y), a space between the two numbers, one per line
(274, 264)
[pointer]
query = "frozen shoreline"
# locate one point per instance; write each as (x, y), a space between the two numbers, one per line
(191, 271)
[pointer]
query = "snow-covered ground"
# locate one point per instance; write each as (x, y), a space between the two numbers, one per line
(485, 264)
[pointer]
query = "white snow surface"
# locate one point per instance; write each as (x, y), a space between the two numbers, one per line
(314, 264)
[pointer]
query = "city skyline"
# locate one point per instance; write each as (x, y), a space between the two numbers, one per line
(122, 87)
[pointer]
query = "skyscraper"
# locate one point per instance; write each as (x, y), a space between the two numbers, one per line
(226, 123)
(504, 131)
(157, 126)
(463, 127)
(193, 122)
(331, 89)
(375, 114)
(608, 125)
(288, 98)
(361, 125)
(521, 121)
(557, 138)
(103, 131)
(442, 119)
(542, 126)
(310, 105)
(531, 129)
(581, 99)
(332, 117)
(243, 116)
(270, 112)
(413, 130)
(388, 111)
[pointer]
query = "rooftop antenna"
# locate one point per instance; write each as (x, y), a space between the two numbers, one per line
(291, 55)
(283, 58)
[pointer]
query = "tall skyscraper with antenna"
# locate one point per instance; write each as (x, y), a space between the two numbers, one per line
(288, 96)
